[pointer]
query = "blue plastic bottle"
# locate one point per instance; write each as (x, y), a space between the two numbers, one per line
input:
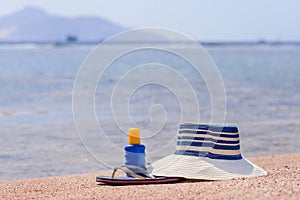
(134, 151)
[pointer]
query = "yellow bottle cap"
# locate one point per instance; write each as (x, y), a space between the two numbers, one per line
(134, 136)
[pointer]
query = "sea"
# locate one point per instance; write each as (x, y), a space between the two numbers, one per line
(39, 137)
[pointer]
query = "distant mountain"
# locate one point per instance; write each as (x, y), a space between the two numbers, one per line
(32, 24)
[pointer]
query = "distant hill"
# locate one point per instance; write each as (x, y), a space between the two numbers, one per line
(32, 24)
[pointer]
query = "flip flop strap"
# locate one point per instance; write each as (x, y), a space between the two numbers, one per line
(126, 169)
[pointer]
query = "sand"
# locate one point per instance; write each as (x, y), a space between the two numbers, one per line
(282, 182)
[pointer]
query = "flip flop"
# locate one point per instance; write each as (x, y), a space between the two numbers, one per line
(142, 177)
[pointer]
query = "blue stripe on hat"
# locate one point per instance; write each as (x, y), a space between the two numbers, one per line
(208, 133)
(207, 139)
(215, 128)
(208, 144)
(208, 155)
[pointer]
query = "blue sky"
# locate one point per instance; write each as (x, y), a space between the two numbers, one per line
(200, 19)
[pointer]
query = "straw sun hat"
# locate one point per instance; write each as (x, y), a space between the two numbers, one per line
(208, 152)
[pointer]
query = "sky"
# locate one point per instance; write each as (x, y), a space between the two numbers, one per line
(199, 19)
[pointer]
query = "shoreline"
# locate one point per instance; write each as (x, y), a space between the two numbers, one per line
(282, 182)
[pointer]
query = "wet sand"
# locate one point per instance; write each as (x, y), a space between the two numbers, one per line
(282, 182)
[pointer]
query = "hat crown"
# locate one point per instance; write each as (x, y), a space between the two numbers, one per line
(212, 141)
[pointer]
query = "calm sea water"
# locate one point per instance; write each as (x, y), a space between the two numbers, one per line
(38, 137)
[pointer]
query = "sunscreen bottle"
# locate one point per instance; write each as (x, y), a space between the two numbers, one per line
(134, 151)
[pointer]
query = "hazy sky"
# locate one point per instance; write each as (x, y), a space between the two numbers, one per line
(200, 19)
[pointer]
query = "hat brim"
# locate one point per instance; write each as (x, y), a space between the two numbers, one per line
(205, 168)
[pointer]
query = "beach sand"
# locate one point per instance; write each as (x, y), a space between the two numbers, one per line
(282, 182)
